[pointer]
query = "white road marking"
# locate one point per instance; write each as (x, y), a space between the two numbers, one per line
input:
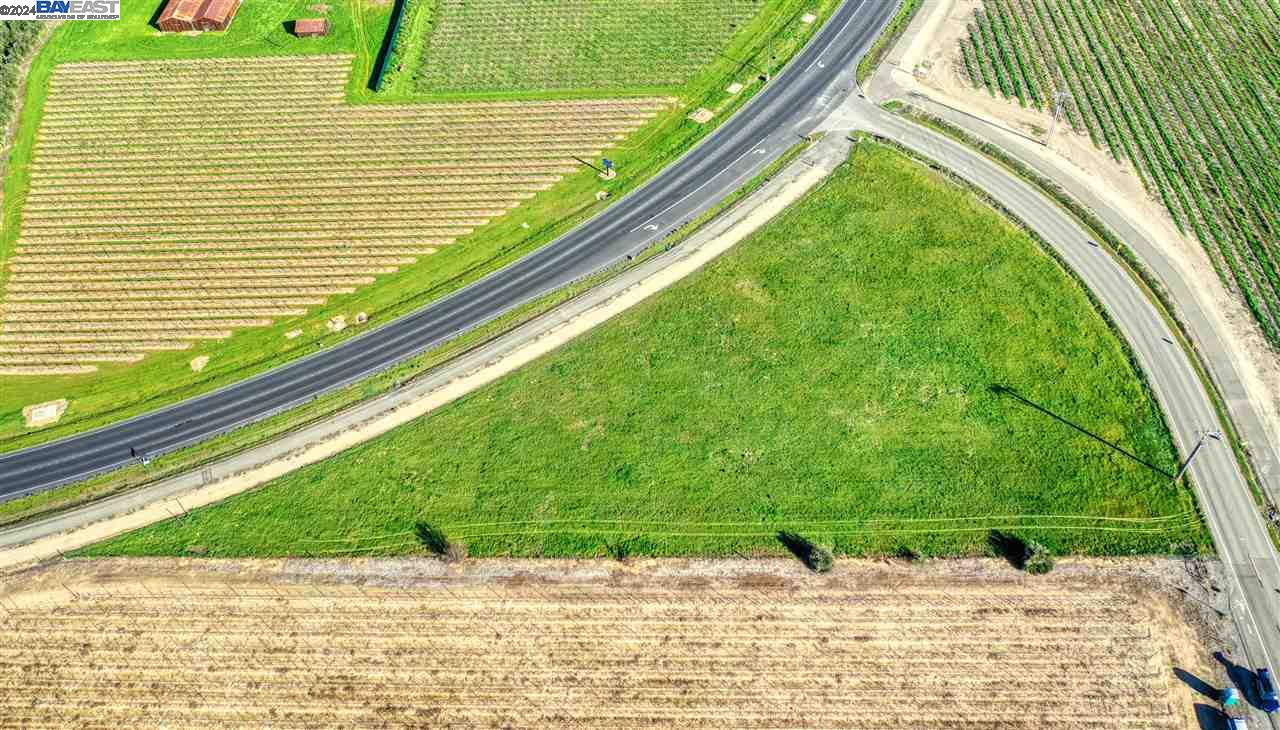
(705, 183)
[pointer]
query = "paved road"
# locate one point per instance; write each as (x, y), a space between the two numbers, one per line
(1237, 527)
(790, 106)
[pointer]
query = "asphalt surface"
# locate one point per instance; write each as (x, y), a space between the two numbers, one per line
(789, 107)
(1239, 533)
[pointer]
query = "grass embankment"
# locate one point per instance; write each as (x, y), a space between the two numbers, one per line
(836, 375)
(1185, 90)
(119, 391)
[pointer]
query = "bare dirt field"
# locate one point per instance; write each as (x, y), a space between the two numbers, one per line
(420, 643)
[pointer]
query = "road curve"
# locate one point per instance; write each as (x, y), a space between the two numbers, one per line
(792, 105)
(1241, 537)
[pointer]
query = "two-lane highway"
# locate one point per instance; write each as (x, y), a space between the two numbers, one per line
(791, 105)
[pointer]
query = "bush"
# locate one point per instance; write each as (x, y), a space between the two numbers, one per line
(815, 557)
(1032, 557)
(1038, 560)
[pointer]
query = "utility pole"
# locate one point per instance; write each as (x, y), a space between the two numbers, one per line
(1060, 98)
(1215, 435)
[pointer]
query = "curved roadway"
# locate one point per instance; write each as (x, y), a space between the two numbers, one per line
(1239, 533)
(790, 106)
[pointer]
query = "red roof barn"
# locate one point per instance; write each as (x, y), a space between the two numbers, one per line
(217, 14)
(180, 15)
(310, 27)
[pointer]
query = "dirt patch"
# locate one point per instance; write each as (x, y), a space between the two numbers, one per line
(44, 414)
(419, 642)
(197, 364)
(337, 324)
(702, 115)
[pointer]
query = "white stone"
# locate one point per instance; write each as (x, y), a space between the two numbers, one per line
(734, 88)
(197, 364)
(337, 324)
(808, 18)
(292, 334)
(361, 318)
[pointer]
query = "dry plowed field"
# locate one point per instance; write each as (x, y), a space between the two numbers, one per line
(177, 200)
(706, 644)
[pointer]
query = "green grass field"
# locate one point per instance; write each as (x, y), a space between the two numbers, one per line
(835, 375)
(119, 391)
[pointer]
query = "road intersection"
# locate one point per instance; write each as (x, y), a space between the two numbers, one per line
(815, 92)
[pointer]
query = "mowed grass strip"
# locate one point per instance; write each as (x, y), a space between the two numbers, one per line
(834, 374)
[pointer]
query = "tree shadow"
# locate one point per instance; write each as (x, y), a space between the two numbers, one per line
(1197, 684)
(1009, 547)
(814, 557)
(289, 26)
(432, 538)
(1013, 394)
(384, 51)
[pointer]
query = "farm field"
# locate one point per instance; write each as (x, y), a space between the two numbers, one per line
(598, 644)
(123, 386)
(1185, 90)
(805, 382)
(574, 44)
(181, 234)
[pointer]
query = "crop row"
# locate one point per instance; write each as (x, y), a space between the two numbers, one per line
(1186, 90)
(489, 45)
(576, 657)
(208, 198)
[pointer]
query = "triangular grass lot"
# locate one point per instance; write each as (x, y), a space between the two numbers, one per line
(860, 372)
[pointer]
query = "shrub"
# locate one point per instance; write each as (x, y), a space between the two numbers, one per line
(815, 557)
(1031, 556)
(1038, 560)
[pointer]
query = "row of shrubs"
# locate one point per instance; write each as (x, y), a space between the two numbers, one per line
(1025, 555)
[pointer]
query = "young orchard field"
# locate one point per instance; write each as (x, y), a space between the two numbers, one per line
(540, 45)
(1186, 90)
(179, 201)
(804, 381)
